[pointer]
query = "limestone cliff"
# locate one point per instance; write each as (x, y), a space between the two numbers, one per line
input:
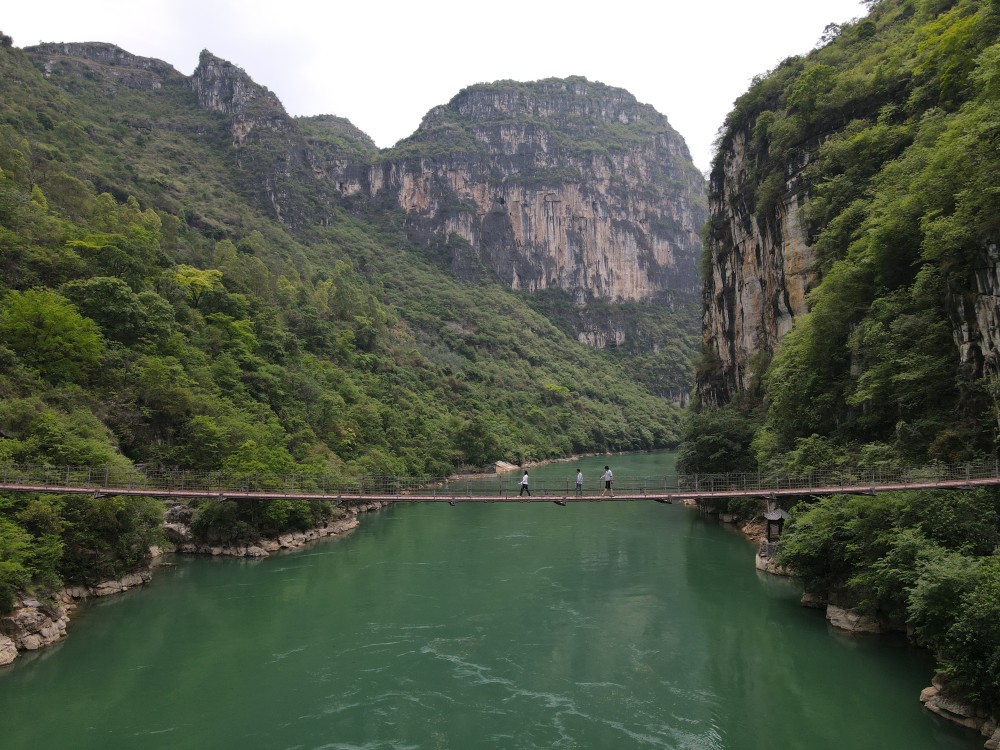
(864, 203)
(116, 69)
(555, 184)
(759, 272)
(271, 159)
(269, 147)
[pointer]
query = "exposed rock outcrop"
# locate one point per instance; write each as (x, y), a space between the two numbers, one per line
(265, 547)
(853, 620)
(814, 600)
(35, 624)
(557, 184)
(560, 183)
(975, 315)
(765, 560)
(113, 67)
(8, 650)
(941, 700)
(269, 147)
(760, 274)
(30, 626)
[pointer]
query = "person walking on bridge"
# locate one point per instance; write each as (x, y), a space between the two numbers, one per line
(524, 485)
(579, 482)
(608, 478)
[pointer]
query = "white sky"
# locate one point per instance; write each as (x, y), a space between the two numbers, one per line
(384, 63)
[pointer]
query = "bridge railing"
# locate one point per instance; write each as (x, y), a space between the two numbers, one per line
(853, 478)
(156, 478)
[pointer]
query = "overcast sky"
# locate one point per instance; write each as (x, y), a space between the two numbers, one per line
(384, 63)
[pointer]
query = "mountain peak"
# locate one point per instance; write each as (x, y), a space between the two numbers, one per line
(227, 88)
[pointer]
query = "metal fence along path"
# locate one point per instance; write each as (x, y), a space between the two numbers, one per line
(176, 483)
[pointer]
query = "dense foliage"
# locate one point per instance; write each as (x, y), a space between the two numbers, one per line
(152, 313)
(924, 560)
(895, 120)
(891, 127)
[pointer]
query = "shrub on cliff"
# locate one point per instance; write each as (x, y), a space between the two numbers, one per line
(927, 559)
(107, 537)
(971, 648)
(15, 545)
(247, 521)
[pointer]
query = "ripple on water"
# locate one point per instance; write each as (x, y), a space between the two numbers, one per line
(370, 745)
(150, 732)
(285, 654)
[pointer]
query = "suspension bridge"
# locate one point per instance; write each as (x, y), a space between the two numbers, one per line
(179, 484)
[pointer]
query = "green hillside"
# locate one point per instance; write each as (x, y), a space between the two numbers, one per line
(152, 311)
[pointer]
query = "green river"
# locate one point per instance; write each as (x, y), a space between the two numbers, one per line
(597, 625)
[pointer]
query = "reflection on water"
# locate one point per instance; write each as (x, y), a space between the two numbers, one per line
(625, 625)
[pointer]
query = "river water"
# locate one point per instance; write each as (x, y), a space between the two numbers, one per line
(614, 625)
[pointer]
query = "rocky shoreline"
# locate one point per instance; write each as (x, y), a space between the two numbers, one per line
(35, 624)
(937, 698)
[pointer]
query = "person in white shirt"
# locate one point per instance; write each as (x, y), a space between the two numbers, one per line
(524, 485)
(608, 477)
(579, 482)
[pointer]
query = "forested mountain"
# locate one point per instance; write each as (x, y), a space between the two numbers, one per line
(851, 316)
(853, 239)
(191, 278)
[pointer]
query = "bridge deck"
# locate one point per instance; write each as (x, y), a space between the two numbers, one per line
(540, 495)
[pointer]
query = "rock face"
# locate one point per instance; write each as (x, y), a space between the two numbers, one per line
(265, 547)
(30, 626)
(555, 184)
(269, 147)
(939, 699)
(765, 560)
(852, 621)
(8, 650)
(760, 265)
(762, 268)
(760, 273)
(975, 316)
(34, 624)
(115, 68)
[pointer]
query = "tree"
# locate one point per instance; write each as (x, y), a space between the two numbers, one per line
(972, 648)
(106, 537)
(15, 546)
(49, 334)
(196, 282)
(111, 303)
(718, 440)
(478, 440)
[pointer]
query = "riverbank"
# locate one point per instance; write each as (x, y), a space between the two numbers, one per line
(37, 623)
(941, 698)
